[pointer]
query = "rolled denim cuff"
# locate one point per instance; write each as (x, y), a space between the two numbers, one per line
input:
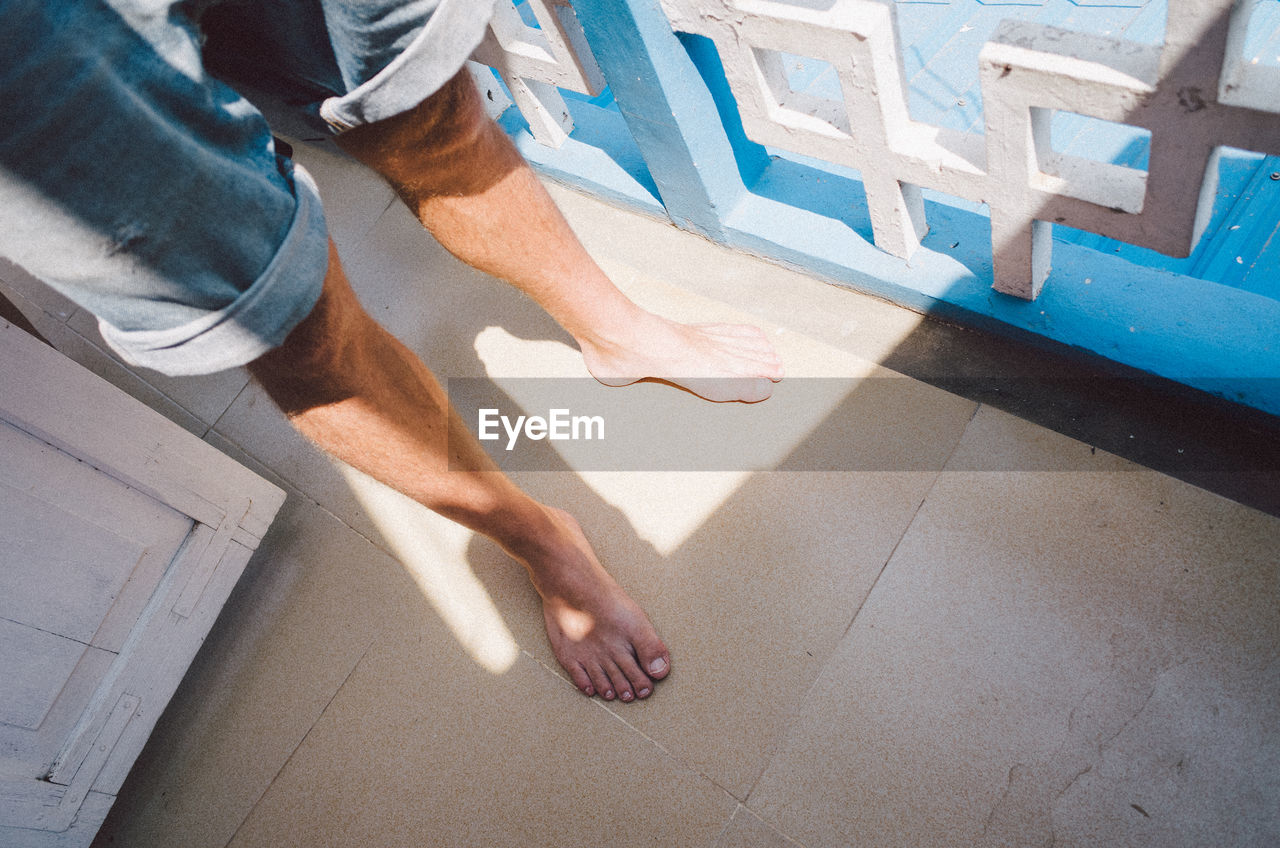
(454, 30)
(256, 321)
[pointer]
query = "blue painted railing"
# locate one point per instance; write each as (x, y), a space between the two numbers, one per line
(665, 139)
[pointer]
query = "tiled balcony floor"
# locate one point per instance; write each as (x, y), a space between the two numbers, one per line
(968, 651)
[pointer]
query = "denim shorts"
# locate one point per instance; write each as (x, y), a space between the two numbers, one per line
(138, 180)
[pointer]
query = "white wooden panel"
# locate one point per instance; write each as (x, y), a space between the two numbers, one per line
(97, 545)
(128, 441)
(81, 832)
(32, 752)
(82, 554)
(58, 571)
(121, 536)
(34, 665)
(35, 467)
(166, 651)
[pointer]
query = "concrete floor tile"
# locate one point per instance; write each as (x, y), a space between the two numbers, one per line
(310, 603)
(753, 596)
(354, 197)
(702, 551)
(1068, 657)
(835, 315)
(998, 442)
(424, 746)
(205, 396)
(15, 281)
(751, 578)
(750, 605)
(432, 302)
(255, 426)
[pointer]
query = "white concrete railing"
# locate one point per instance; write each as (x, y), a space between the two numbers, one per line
(535, 61)
(1193, 94)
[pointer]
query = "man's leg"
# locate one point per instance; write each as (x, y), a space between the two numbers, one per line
(471, 188)
(359, 394)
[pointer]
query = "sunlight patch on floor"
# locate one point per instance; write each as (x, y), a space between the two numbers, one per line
(433, 550)
(665, 503)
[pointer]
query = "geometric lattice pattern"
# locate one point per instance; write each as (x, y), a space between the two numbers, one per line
(534, 61)
(1193, 94)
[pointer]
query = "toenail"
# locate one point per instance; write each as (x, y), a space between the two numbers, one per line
(643, 693)
(608, 694)
(658, 666)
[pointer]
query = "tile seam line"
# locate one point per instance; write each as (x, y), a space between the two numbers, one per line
(915, 514)
(727, 824)
(379, 546)
(293, 488)
(391, 201)
(599, 704)
(223, 414)
(258, 801)
(129, 370)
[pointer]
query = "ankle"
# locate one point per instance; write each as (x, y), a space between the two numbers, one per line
(621, 332)
(532, 537)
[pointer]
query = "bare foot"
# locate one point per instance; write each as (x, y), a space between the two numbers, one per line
(720, 362)
(599, 635)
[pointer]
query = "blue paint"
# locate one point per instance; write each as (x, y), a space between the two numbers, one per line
(751, 158)
(667, 135)
(599, 157)
(925, 31)
(1245, 207)
(1147, 26)
(1101, 141)
(670, 113)
(798, 182)
(1213, 337)
(1262, 38)
(1241, 252)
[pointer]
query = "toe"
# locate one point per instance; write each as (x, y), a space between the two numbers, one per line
(640, 683)
(653, 658)
(755, 390)
(621, 685)
(741, 331)
(582, 680)
(659, 667)
(600, 683)
(769, 367)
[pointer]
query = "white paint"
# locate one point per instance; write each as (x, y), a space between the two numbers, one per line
(1193, 94)
(1252, 85)
(123, 536)
(534, 62)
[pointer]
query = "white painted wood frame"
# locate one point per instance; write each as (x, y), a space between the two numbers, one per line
(121, 536)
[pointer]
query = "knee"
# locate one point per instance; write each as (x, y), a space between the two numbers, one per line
(322, 357)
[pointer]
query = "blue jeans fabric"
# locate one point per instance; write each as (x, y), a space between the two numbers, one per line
(149, 192)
